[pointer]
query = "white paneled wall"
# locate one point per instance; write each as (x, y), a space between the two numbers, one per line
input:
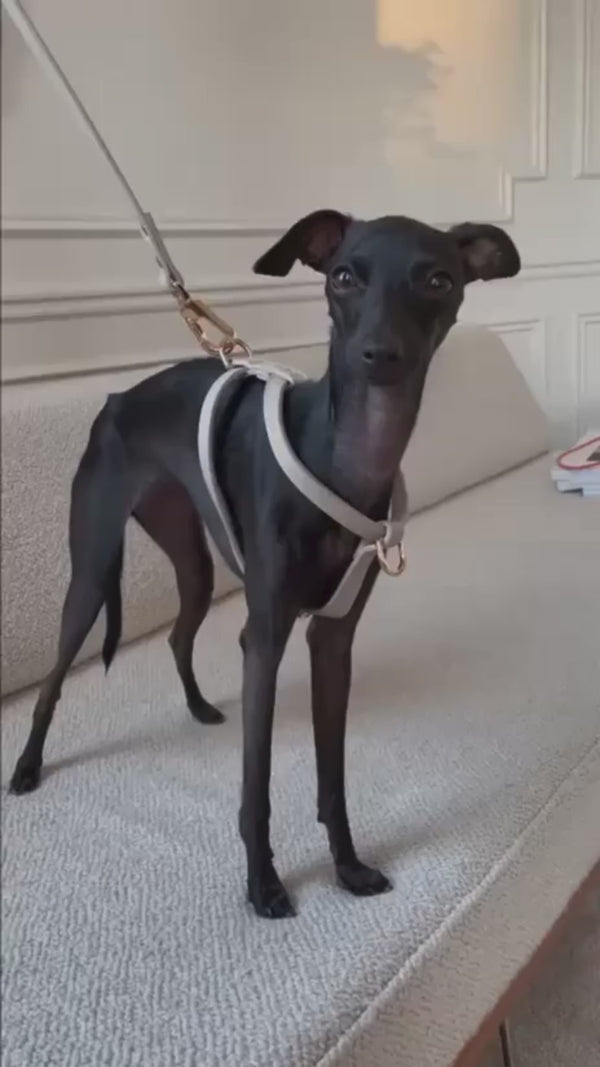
(232, 119)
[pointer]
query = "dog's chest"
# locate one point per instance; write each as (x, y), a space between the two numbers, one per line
(323, 563)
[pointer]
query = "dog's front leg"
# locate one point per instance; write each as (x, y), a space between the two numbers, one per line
(263, 641)
(330, 642)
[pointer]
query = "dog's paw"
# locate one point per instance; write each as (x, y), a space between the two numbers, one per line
(25, 779)
(363, 881)
(270, 900)
(205, 712)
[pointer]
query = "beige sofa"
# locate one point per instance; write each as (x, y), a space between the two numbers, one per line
(473, 769)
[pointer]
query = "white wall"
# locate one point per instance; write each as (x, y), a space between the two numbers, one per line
(233, 118)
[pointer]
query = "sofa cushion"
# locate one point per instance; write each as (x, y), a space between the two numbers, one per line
(477, 418)
(473, 778)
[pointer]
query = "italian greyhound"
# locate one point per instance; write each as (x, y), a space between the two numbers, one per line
(393, 287)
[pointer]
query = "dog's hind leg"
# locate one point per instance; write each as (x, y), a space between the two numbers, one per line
(167, 513)
(101, 499)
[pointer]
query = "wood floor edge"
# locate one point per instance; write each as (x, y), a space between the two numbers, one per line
(475, 1048)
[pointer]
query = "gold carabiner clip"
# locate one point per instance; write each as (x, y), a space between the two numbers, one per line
(195, 313)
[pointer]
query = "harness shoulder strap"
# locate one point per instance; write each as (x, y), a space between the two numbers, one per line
(318, 494)
(214, 402)
(390, 533)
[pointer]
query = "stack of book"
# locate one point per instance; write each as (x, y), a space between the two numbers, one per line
(578, 469)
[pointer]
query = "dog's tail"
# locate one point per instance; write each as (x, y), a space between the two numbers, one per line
(113, 609)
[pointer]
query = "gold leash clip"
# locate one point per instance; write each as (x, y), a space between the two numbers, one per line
(195, 313)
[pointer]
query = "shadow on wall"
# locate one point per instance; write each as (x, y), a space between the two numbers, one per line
(361, 99)
(402, 79)
(377, 94)
(362, 105)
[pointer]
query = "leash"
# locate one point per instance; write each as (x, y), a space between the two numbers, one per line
(194, 311)
(376, 538)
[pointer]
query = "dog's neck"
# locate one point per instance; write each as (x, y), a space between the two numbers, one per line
(370, 429)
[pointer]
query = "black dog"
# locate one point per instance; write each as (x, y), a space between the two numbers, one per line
(394, 287)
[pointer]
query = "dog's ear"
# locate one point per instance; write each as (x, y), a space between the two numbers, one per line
(313, 240)
(487, 252)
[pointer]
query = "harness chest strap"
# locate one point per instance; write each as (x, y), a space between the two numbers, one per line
(375, 537)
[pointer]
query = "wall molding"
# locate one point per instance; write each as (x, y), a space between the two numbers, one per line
(539, 99)
(190, 227)
(583, 321)
(122, 362)
(536, 329)
(122, 228)
(538, 120)
(582, 161)
(46, 304)
(513, 325)
(128, 227)
(576, 268)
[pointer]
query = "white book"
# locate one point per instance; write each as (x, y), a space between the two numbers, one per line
(579, 478)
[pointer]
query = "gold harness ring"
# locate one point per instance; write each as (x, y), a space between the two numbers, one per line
(394, 570)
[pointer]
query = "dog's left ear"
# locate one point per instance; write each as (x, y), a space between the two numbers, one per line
(313, 240)
(487, 252)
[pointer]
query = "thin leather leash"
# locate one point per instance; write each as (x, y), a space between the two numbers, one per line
(376, 538)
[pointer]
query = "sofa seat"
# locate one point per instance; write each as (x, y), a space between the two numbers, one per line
(473, 779)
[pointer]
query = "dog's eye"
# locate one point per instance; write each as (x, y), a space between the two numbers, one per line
(438, 283)
(342, 279)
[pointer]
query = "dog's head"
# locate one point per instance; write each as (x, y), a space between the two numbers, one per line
(394, 285)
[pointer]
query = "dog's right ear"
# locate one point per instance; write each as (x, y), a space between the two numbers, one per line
(313, 240)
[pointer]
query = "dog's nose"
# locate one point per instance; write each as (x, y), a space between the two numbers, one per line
(378, 355)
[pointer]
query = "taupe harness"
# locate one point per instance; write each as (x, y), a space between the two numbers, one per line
(376, 538)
